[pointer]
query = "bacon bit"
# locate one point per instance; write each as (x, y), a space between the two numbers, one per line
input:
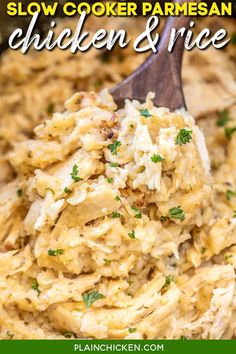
(110, 134)
(228, 184)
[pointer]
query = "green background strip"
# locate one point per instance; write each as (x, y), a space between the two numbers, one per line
(125, 346)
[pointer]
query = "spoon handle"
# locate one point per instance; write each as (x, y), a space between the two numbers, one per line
(163, 69)
(160, 73)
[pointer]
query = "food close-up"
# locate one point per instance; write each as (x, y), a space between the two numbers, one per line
(117, 222)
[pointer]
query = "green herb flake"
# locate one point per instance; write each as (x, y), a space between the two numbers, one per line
(113, 147)
(90, 298)
(230, 194)
(113, 164)
(132, 330)
(145, 113)
(131, 126)
(35, 286)
(67, 191)
(164, 218)
(169, 279)
(177, 213)
(183, 338)
(184, 136)
(228, 256)
(74, 174)
(50, 108)
(110, 180)
(224, 118)
(9, 334)
(98, 83)
(107, 261)
(54, 253)
(19, 193)
(157, 158)
(132, 234)
(115, 215)
(234, 214)
(203, 250)
(229, 132)
(233, 38)
(117, 198)
(69, 335)
(50, 190)
(138, 214)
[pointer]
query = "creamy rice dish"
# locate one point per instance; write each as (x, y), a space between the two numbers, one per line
(103, 235)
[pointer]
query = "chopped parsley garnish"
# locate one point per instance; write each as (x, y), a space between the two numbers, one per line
(50, 190)
(138, 214)
(74, 174)
(157, 158)
(67, 190)
(90, 298)
(19, 193)
(233, 38)
(9, 334)
(54, 253)
(114, 164)
(164, 218)
(131, 126)
(183, 338)
(145, 113)
(113, 147)
(177, 213)
(117, 198)
(110, 180)
(203, 249)
(169, 279)
(35, 286)
(230, 194)
(107, 261)
(115, 215)
(50, 108)
(132, 234)
(234, 214)
(184, 136)
(98, 83)
(224, 118)
(132, 330)
(227, 256)
(229, 132)
(69, 334)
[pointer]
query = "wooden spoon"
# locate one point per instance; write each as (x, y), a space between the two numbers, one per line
(160, 73)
